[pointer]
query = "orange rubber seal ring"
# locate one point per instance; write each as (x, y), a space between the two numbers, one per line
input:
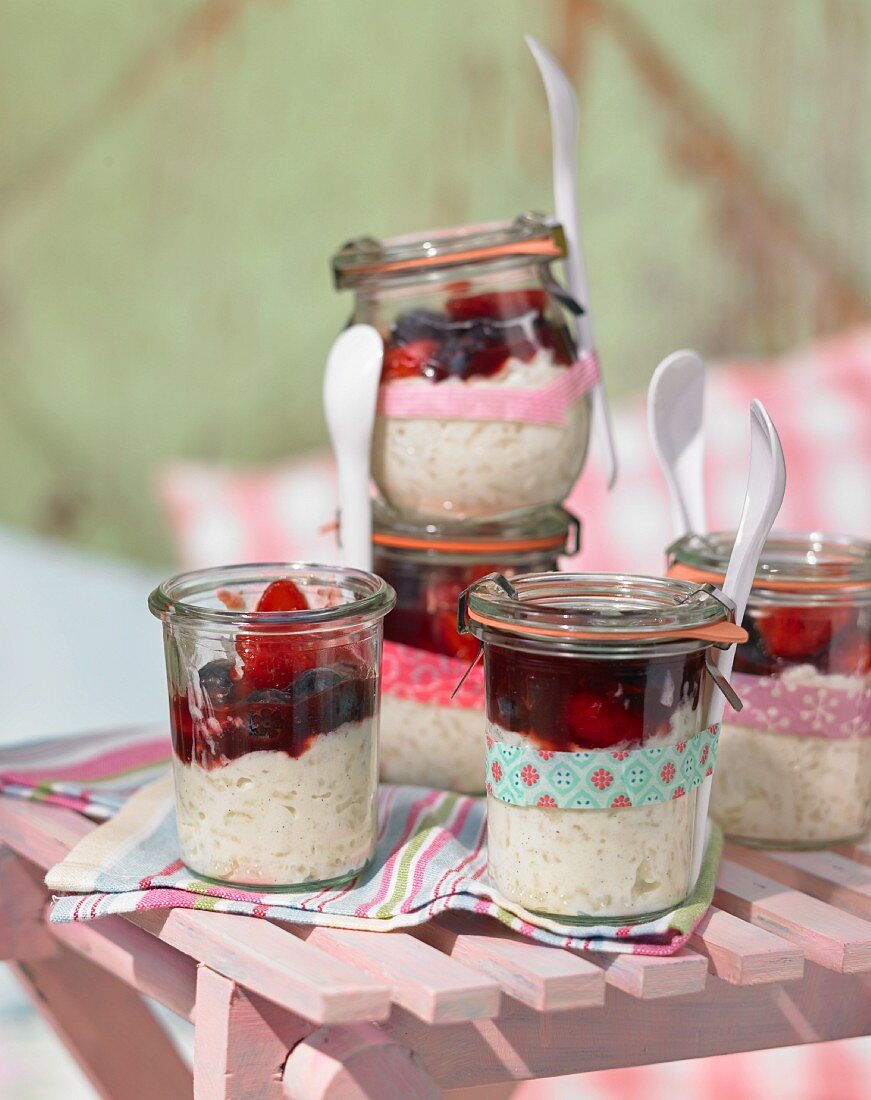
(520, 248)
(722, 633)
(410, 542)
(703, 576)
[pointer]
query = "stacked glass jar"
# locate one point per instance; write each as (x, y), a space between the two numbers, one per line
(429, 735)
(481, 430)
(795, 763)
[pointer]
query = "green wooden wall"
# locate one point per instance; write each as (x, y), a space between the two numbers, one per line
(174, 175)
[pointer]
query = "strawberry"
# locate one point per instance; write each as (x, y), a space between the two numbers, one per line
(408, 360)
(596, 721)
(450, 641)
(505, 303)
(282, 595)
(796, 633)
(272, 662)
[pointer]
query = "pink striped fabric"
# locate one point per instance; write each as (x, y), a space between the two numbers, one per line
(819, 399)
(454, 400)
(430, 856)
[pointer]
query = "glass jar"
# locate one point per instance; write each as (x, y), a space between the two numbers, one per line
(429, 737)
(483, 409)
(598, 689)
(273, 677)
(795, 763)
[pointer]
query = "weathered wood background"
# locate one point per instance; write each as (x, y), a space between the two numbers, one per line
(174, 176)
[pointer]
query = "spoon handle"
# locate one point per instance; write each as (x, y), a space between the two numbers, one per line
(765, 487)
(563, 107)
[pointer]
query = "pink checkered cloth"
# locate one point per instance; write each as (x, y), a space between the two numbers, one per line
(819, 398)
(430, 855)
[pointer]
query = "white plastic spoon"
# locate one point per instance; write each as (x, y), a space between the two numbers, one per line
(675, 419)
(765, 486)
(563, 108)
(350, 396)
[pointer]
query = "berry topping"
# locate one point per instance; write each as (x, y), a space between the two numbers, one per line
(273, 661)
(420, 324)
(597, 721)
(268, 714)
(505, 303)
(795, 634)
(282, 595)
(408, 360)
(218, 682)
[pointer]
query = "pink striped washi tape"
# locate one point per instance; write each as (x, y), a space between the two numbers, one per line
(450, 400)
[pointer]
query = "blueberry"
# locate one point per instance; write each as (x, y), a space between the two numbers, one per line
(216, 682)
(315, 681)
(419, 324)
(269, 713)
(508, 708)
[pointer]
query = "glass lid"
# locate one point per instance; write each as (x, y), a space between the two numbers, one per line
(792, 561)
(543, 529)
(600, 607)
(532, 235)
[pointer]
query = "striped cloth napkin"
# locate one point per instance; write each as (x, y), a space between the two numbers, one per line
(430, 858)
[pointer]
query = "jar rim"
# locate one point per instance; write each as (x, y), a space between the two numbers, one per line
(183, 598)
(532, 235)
(551, 528)
(599, 608)
(791, 561)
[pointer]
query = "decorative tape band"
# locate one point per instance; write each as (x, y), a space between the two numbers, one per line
(524, 776)
(430, 678)
(411, 399)
(836, 708)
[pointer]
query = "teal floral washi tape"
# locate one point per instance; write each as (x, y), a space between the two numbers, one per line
(599, 780)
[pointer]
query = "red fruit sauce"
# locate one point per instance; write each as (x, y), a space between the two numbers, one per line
(287, 692)
(570, 704)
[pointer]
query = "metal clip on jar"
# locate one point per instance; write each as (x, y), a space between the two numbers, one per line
(795, 765)
(274, 715)
(484, 406)
(598, 691)
(428, 737)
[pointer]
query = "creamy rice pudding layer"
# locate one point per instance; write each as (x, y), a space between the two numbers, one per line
(784, 788)
(594, 863)
(473, 468)
(269, 819)
(431, 746)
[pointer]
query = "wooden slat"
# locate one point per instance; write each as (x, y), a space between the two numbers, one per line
(651, 976)
(828, 936)
(42, 834)
(107, 1028)
(267, 960)
(433, 986)
(142, 961)
(860, 851)
(742, 954)
(546, 978)
(23, 904)
(358, 1062)
(826, 875)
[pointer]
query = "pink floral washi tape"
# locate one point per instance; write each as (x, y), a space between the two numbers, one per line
(409, 673)
(414, 399)
(839, 710)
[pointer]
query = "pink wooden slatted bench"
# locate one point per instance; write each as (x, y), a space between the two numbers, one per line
(311, 1014)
